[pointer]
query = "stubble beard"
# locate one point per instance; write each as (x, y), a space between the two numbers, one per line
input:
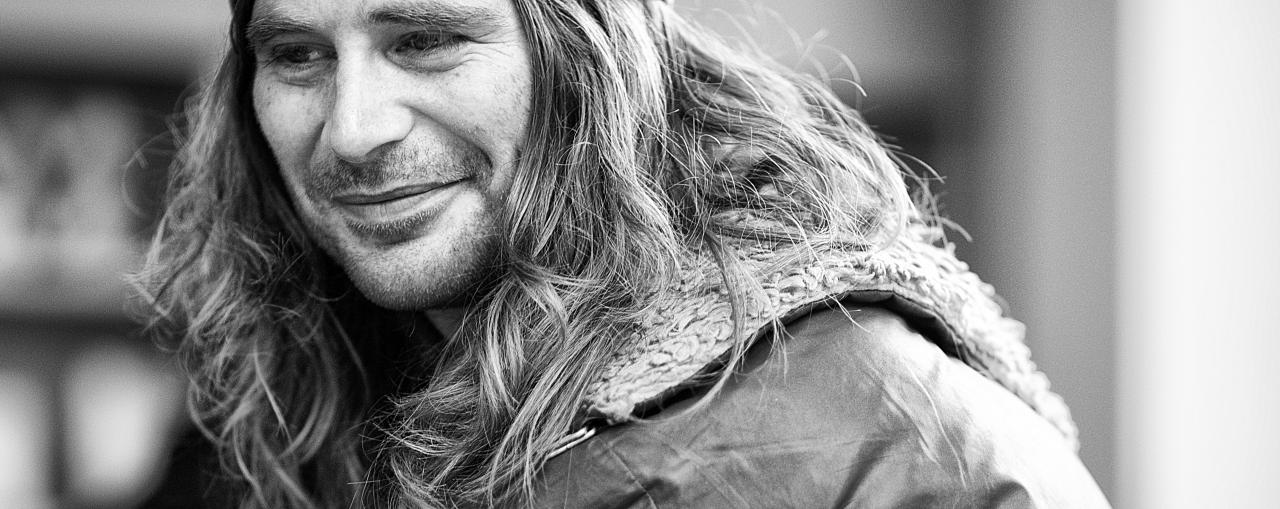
(456, 279)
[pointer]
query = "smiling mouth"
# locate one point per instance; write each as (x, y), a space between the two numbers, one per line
(395, 215)
(384, 197)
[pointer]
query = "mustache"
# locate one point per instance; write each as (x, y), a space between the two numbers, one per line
(331, 176)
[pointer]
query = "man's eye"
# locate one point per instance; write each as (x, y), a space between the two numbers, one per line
(420, 42)
(296, 63)
(297, 55)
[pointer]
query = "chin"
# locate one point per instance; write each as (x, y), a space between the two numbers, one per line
(426, 273)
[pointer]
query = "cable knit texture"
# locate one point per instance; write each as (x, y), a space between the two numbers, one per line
(692, 328)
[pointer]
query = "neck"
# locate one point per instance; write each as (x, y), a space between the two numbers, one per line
(446, 320)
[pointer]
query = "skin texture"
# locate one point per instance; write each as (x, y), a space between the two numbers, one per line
(396, 126)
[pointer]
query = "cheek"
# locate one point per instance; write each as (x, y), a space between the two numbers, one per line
(289, 122)
(517, 88)
(507, 109)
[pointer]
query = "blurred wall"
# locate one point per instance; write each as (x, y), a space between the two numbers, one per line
(1036, 194)
(86, 91)
(169, 40)
(1199, 257)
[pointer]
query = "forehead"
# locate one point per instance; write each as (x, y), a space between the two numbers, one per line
(322, 15)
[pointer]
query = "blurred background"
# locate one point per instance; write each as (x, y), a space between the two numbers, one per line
(1113, 163)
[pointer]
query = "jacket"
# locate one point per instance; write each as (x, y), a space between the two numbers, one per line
(890, 379)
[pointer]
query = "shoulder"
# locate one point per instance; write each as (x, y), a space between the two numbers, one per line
(842, 406)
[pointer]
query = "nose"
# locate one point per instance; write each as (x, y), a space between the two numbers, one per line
(366, 115)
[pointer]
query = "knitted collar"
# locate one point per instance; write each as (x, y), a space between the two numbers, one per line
(693, 328)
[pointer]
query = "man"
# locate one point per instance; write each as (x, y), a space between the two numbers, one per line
(573, 253)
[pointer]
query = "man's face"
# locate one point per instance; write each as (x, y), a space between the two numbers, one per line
(396, 125)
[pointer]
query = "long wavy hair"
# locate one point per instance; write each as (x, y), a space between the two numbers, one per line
(647, 137)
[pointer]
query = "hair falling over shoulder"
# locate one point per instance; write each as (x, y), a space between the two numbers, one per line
(665, 131)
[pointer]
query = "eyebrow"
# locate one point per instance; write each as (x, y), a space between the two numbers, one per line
(434, 16)
(263, 28)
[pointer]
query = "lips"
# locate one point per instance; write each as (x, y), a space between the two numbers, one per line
(383, 197)
(396, 214)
